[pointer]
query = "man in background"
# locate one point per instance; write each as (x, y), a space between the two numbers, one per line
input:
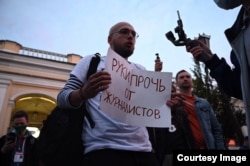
(18, 145)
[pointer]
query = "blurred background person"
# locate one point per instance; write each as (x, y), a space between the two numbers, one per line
(18, 145)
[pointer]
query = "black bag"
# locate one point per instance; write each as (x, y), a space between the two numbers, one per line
(60, 141)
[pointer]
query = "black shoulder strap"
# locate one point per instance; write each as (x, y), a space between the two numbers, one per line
(92, 69)
(93, 65)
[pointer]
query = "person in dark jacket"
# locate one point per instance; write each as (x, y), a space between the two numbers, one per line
(235, 82)
(17, 147)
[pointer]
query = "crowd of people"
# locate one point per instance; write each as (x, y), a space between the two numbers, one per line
(110, 142)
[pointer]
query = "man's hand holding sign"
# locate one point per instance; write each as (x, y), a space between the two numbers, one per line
(136, 97)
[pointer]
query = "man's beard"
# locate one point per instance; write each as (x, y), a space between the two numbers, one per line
(125, 53)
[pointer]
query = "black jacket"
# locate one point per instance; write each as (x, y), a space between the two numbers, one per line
(229, 79)
(165, 142)
(29, 152)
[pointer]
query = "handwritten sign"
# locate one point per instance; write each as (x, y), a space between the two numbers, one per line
(136, 97)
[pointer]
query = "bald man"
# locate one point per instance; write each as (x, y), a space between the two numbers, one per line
(110, 142)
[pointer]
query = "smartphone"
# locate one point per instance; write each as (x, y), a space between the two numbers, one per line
(11, 137)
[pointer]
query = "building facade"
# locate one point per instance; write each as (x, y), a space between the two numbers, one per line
(30, 80)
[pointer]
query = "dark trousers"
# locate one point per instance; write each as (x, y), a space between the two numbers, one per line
(168, 160)
(110, 157)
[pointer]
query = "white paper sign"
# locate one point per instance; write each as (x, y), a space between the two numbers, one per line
(136, 97)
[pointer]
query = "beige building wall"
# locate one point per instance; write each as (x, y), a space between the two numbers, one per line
(30, 82)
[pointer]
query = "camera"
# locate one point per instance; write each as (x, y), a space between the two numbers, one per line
(11, 136)
(183, 40)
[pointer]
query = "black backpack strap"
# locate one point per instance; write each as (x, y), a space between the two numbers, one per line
(93, 65)
(92, 69)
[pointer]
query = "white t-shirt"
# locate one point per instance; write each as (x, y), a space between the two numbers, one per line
(109, 133)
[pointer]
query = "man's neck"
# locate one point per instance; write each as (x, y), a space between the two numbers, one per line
(187, 92)
(22, 134)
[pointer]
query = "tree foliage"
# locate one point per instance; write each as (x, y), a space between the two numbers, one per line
(205, 86)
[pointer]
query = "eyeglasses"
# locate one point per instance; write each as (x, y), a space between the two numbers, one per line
(126, 32)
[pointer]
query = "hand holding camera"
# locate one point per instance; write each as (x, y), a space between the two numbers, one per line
(11, 137)
(10, 142)
(158, 63)
(199, 50)
(8, 146)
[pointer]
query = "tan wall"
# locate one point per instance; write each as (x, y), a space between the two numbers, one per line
(73, 58)
(14, 91)
(32, 77)
(11, 46)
